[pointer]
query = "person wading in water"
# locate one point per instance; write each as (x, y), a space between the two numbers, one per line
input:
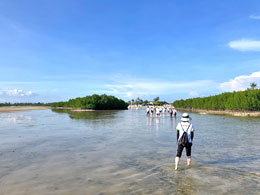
(185, 134)
(174, 112)
(171, 112)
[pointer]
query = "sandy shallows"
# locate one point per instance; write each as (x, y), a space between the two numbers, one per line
(22, 108)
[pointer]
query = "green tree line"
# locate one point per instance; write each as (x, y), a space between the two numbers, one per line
(24, 104)
(96, 102)
(241, 100)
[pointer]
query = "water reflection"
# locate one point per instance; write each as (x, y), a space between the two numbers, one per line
(14, 118)
(88, 115)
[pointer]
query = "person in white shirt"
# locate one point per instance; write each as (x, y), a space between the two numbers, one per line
(174, 112)
(147, 110)
(184, 128)
(158, 113)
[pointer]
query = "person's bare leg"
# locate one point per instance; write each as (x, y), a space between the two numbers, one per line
(188, 160)
(177, 160)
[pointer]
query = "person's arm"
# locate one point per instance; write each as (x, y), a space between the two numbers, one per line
(178, 131)
(192, 133)
(178, 134)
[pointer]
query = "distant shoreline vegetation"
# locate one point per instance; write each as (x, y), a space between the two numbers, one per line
(24, 104)
(248, 100)
(95, 102)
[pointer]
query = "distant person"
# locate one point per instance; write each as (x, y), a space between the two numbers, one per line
(171, 112)
(151, 111)
(158, 112)
(174, 112)
(147, 110)
(185, 134)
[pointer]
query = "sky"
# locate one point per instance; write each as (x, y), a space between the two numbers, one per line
(55, 50)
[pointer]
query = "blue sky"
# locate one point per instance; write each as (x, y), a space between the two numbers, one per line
(52, 50)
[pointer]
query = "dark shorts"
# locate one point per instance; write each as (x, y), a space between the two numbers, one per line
(180, 149)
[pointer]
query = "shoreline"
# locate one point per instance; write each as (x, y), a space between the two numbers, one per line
(245, 113)
(22, 108)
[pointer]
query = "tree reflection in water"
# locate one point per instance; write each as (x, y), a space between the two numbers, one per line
(88, 115)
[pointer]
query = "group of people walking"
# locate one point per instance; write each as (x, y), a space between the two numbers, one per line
(159, 110)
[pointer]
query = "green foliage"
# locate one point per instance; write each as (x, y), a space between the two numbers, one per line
(241, 100)
(160, 103)
(145, 102)
(253, 85)
(156, 99)
(97, 102)
(138, 101)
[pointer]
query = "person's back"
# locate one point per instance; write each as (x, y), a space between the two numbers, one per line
(157, 111)
(170, 112)
(174, 112)
(184, 128)
(147, 110)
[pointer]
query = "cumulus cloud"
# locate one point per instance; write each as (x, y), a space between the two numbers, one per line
(17, 95)
(15, 92)
(255, 17)
(241, 82)
(245, 45)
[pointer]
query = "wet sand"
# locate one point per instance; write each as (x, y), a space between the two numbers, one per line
(22, 108)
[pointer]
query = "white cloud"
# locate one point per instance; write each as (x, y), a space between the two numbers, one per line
(194, 94)
(241, 82)
(18, 95)
(255, 17)
(29, 93)
(129, 94)
(15, 93)
(132, 88)
(245, 45)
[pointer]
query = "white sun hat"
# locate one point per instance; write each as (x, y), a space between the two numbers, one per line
(185, 117)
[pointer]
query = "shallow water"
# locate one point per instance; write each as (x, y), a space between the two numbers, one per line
(125, 152)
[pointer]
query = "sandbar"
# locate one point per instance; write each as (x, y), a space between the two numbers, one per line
(22, 108)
